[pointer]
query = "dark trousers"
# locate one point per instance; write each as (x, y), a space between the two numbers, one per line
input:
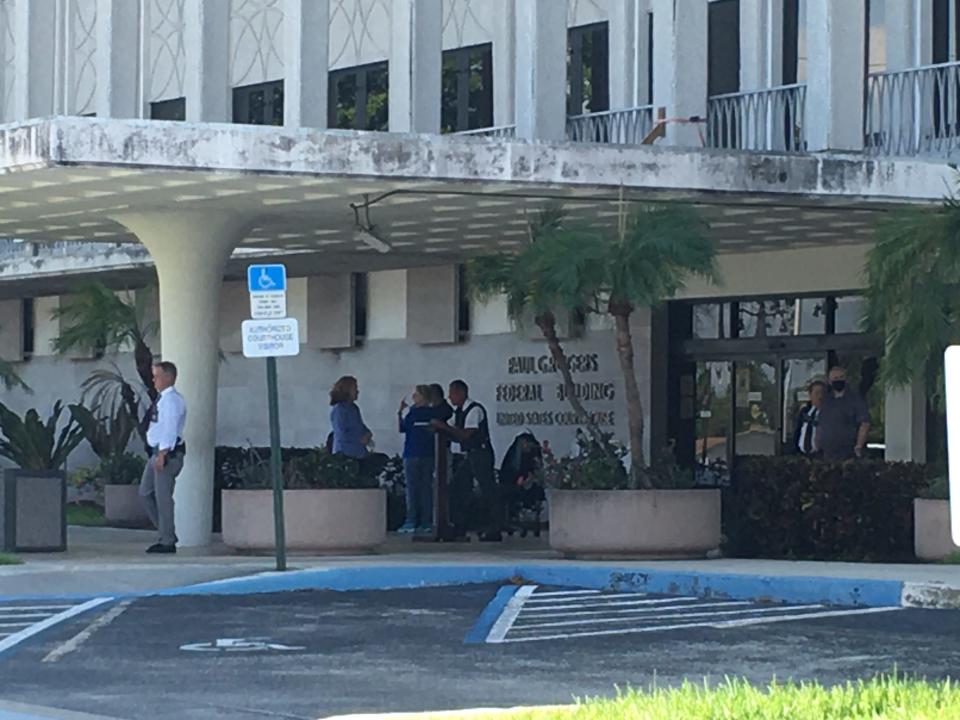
(475, 467)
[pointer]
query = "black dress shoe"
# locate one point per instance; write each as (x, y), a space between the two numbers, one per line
(162, 549)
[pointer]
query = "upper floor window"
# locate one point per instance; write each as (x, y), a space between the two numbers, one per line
(467, 89)
(588, 73)
(794, 41)
(175, 109)
(27, 325)
(358, 98)
(723, 47)
(361, 304)
(946, 31)
(876, 36)
(260, 104)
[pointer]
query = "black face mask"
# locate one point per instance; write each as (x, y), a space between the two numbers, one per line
(839, 385)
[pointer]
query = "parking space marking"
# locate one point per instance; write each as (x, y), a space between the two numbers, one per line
(29, 624)
(74, 643)
(559, 615)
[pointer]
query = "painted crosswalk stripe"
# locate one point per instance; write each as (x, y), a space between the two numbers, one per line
(28, 632)
(531, 615)
(717, 625)
(633, 618)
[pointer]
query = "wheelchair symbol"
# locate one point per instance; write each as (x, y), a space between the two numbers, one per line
(265, 281)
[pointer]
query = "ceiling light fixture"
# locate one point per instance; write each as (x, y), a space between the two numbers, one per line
(365, 231)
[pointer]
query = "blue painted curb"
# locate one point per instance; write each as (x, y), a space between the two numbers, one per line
(858, 592)
(481, 629)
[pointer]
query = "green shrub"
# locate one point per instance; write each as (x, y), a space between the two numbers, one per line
(597, 466)
(34, 444)
(793, 508)
(938, 489)
(122, 469)
(301, 469)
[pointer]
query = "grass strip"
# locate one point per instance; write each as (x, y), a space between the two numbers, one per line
(88, 515)
(882, 698)
(10, 560)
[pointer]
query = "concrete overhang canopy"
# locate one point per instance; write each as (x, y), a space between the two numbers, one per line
(432, 198)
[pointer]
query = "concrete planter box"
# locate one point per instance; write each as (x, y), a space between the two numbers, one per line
(931, 529)
(636, 523)
(316, 520)
(123, 507)
(33, 511)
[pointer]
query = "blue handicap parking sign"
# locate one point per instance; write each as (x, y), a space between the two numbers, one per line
(266, 278)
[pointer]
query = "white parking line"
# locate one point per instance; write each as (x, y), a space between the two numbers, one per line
(50, 620)
(560, 593)
(531, 616)
(74, 643)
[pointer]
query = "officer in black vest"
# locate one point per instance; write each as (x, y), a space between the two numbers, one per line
(471, 432)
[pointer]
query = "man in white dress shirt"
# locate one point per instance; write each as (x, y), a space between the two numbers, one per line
(167, 416)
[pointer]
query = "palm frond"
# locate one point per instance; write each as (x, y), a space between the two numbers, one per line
(913, 297)
(94, 317)
(10, 378)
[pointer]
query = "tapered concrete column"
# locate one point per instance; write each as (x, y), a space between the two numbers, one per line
(680, 62)
(629, 49)
(836, 36)
(306, 29)
(207, 75)
(118, 34)
(34, 86)
(541, 69)
(905, 422)
(190, 250)
(415, 64)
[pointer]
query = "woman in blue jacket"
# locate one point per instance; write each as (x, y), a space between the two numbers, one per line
(418, 449)
(350, 436)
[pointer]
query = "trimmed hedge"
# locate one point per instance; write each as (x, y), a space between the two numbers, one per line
(796, 509)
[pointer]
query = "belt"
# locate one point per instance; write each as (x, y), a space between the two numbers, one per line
(179, 449)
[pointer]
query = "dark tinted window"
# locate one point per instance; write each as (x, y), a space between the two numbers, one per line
(588, 62)
(175, 109)
(358, 98)
(723, 74)
(260, 104)
(467, 89)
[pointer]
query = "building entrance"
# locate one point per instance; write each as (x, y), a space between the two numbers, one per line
(740, 373)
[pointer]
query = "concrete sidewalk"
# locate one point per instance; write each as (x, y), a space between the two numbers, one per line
(104, 561)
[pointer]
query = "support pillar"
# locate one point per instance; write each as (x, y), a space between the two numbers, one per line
(415, 65)
(680, 59)
(836, 37)
(504, 65)
(118, 33)
(629, 49)
(35, 58)
(207, 75)
(306, 27)
(190, 250)
(905, 422)
(541, 70)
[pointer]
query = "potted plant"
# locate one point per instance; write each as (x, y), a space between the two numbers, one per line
(931, 522)
(33, 495)
(108, 430)
(597, 504)
(329, 505)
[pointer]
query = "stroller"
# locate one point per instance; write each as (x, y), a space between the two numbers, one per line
(522, 494)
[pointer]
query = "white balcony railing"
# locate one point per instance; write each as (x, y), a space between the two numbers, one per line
(914, 112)
(759, 120)
(503, 131)
(616, 127)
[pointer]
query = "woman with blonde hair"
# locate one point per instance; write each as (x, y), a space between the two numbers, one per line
(350, 435)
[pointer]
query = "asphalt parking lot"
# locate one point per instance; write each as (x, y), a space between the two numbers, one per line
(319, 653)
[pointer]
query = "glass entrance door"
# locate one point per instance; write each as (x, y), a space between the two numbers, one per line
(712, 422)
(757, 405)
(798, 373)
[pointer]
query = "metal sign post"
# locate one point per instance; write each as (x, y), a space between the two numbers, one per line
(270, 334)
(952, 377)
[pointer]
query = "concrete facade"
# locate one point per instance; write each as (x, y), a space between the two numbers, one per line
(204, 196)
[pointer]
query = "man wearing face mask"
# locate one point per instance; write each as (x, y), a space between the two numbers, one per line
(844, 421)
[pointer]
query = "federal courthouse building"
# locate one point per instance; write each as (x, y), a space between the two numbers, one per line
(161, 146)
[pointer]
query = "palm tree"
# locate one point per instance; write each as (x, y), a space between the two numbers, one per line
(525, 279)
(97, 319)
(653, 252)
(913, 296)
